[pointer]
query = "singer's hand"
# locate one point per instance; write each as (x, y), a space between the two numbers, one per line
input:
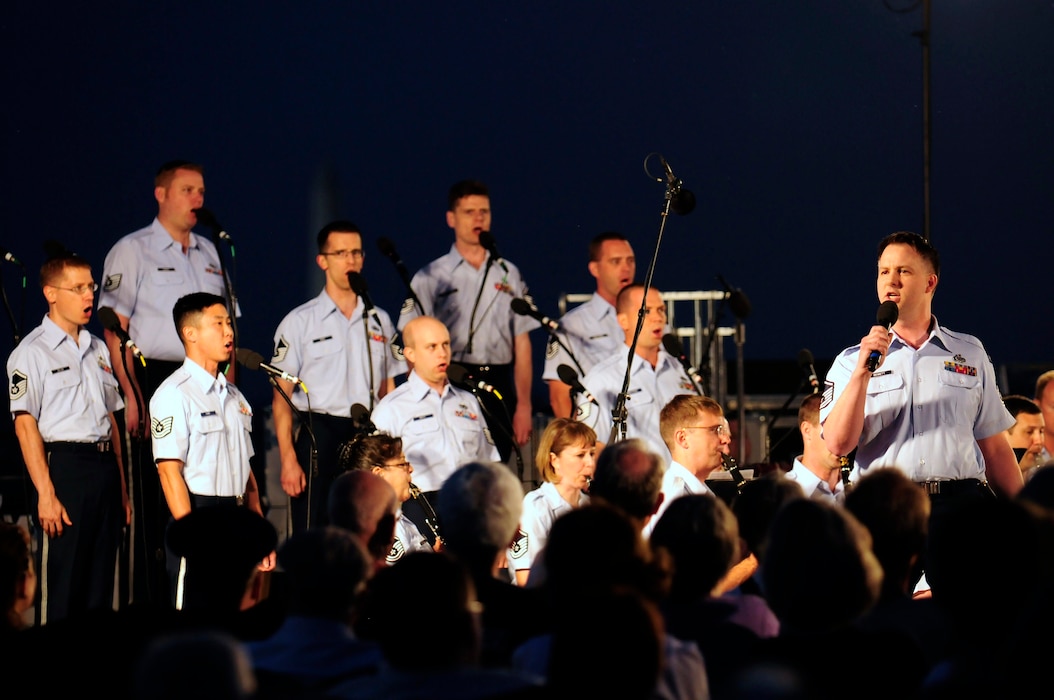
(132, 420)
(521, 423)
(52, 515)
(294, 481)
(878, 339)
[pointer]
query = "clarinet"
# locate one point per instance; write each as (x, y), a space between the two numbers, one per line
(431, 519)
(846, 468)
(732, 468)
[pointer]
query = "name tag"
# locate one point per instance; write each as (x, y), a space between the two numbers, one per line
(430, 415)
(206, 414)
(60, 369)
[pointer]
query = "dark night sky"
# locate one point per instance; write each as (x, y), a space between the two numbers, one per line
(798, 126)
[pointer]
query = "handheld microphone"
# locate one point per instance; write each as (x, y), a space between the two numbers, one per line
(569, 377)
(886, 316)
(737, 300)
(486, 239)
(459, 375)
(6, 254)
(361, 416)
(359, 286)
(805, 362)
(254, 361)
(206, 217)
(673, 346)
(521, 307)
(108, 319)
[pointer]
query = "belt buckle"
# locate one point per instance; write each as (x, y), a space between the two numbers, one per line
(931, 487)
(240, 499)
(103, 446)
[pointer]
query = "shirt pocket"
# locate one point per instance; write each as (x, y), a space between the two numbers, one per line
(56, 383)
(166, 277)
(426, 427)
(885, 401)
(324, 348)
(209, 425)
(960, 398)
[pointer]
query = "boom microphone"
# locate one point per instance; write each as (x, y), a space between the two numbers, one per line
(673, 346)
(459, 375)
(6, 254)
(361, 416)
(569, 377)
(886, 316)
(805, 362)
(359, 286)
(486, 239)
(387, 249)
(108, 319)
(254, 361)
(207, 218)
(523, 308)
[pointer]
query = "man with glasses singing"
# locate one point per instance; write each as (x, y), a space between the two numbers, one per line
(655, 376)
(339, 346)
(63, 396)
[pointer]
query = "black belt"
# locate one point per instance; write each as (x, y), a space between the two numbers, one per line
(200, 501)
(948, 487)
(101, 447)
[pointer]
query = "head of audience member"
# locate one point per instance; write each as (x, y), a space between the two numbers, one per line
(612, 263)
(66, 280)
(1027, 434)
(694, 429)
(702, 537)
(468, 211)
(819, 573)
(204, 664)
(426, 346)
(627, 306)
(629, 476)
(567, 454)
(448, 616)
(340, 252)
(908, 271)
(365, 505)
(1039, 489)
(1045, 400)
(479, 507)
(381, 454)
(179, 188)
(223, 546)
(815, 455)
(205, 327)
(896, 511)
(18, 576)
(617, 556)
(611, 648)
(756, 505)
(326, 570)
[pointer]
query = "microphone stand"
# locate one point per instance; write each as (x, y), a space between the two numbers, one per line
(619, 413)
(475, 307)
(228, 285)
(15, 329)
(508, 433)
(772, 421)
(313, 456)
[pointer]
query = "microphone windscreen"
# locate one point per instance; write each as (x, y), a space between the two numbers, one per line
(521, 307)
(456, 373)
(739, 304)
(567, 375)
(386, 247)
(206, 217)
(805, 358)
(486, 239)
(357, 283)
(249, 359)
(887, 314)
(672, 343)
(108, 318)
(359, 412)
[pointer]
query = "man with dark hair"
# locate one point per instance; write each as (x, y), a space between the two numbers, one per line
(1027, 433)
(591, 331)
(816, 469)
(201, 424)
(63, 396)
(930, 405)
(338, 345)
(471, 291)
(654, 379)
(144, 273)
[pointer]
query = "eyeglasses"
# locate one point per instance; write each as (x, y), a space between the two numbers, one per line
(81, 288)
(405, 466)
(718, 429)
(356, 254)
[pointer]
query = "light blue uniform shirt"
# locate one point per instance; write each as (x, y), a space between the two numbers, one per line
(206, 423)
(925, 409)
(68, 387)
(541, 507)
(447, 288)
(814, 486)
(649, 390)
(331, 355)
(677, 481)
(145, 273)
(440, 432)
(592, 333)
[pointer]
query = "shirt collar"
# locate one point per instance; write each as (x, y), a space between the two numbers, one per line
(203, 379)
(161, 239)
(55, 336)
